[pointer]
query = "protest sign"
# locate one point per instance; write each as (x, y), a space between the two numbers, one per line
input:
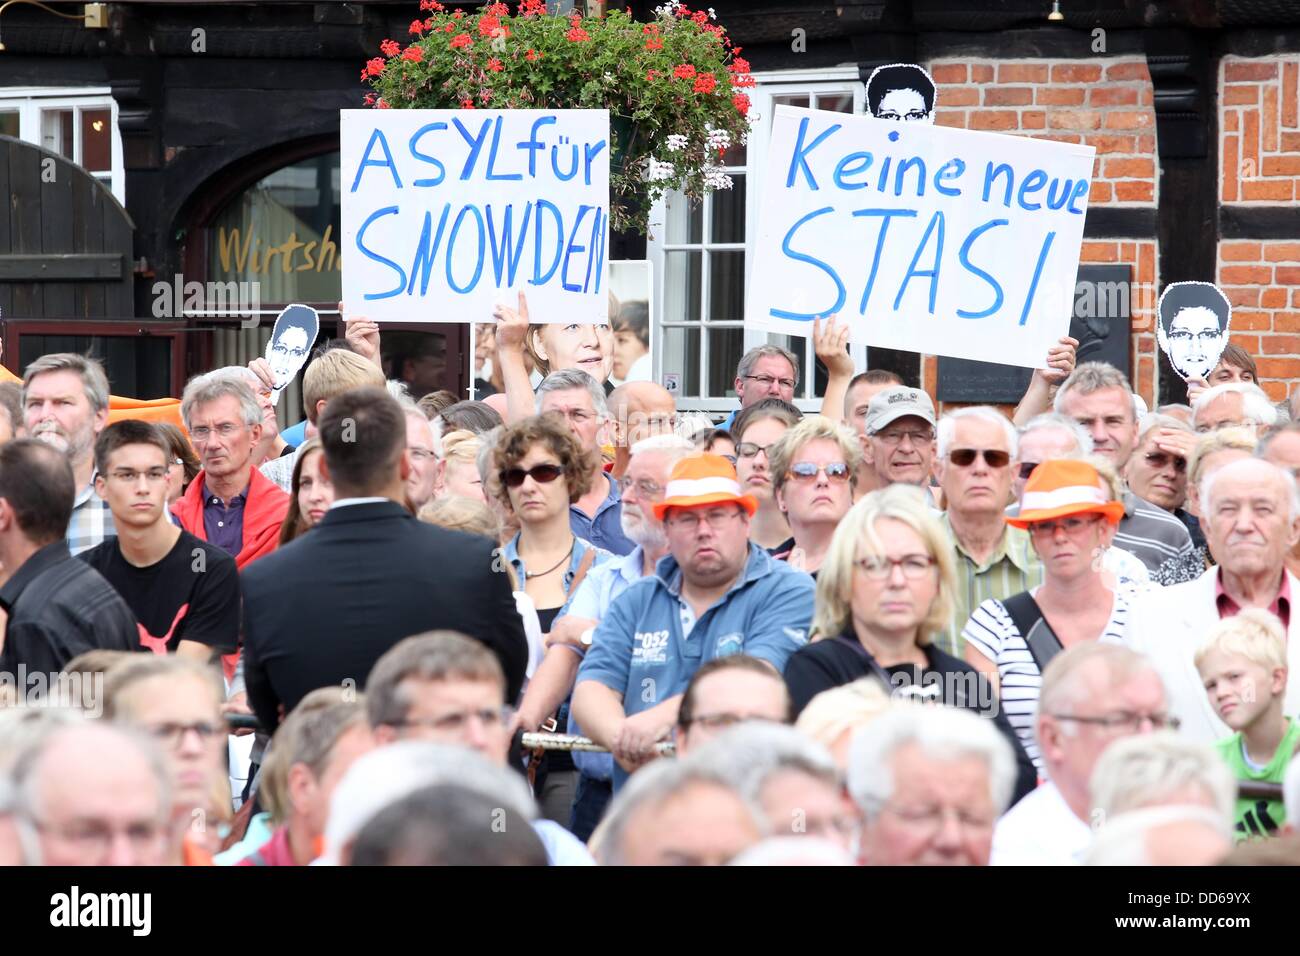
(447, 212)
(925, 238)
(296, 328)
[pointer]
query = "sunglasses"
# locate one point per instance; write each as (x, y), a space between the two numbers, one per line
(1160, 459)
(1027, 469)
(964, 457)
(808, 471)
(514, 477)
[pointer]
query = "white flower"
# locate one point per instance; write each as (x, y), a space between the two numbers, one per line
(668, 9)
(715, 178)
(676, 142)
(719, 139)
(712, 15)
(657, 171)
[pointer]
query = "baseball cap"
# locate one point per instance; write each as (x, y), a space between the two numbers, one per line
(895, 403)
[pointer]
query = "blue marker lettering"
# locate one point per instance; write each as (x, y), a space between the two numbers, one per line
(949, 170)
(1053, 200)
(538, 278)
(475, 145)
(555, 160)
(915, 162)
(799, 158)
(589, 152)
(936, 219)
(533, 144)
(426, 252)
(1038, 271)
(886, 215)
(492, 156)
(451, 248)
(848, 166)
(964, 258)
(1029, 185)
(376, 136)
(597, 232)
(570, 249)
(1080, 190)
(361, 244)
(990, 174)
(817, 263)
(507, 254)
(415, 139)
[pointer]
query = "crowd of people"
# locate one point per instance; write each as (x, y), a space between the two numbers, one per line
(568, 624)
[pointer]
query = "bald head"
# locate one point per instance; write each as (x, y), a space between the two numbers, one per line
(101, 778)
(640, 410)
(499, 404)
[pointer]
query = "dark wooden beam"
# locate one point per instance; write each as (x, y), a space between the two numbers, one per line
(60, 267)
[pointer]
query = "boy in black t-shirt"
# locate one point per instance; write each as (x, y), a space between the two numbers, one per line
(183, 591)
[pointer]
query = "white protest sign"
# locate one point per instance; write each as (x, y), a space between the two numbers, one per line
(924, 238)
(447, 212)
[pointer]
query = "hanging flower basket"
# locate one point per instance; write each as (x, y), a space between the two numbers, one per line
(674, 86)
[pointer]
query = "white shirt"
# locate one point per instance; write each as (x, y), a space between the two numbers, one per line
(1040, 830)
(345, 502)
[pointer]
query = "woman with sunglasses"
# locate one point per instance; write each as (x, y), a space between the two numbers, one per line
(814, 469)
(541, 470)
(885, 590)
(1157, 469)
(756, 430)
(1071, 514)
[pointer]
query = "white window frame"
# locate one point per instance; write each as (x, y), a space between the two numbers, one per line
(28, 102)
(769, 84)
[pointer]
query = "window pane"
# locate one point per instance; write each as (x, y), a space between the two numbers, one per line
(836, 102)
(791, 99)
(735, 156)
(96, 140)
(283, 234)
(726, 286)
(682, 358)
(56, 131)
(682, 272)
(728, 215)
(726, 346)
(799, 346)
(684, 220)
(9, 123)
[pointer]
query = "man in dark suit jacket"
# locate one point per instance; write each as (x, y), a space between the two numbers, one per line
(321, 610)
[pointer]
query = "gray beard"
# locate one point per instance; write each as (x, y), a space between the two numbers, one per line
(648, 537)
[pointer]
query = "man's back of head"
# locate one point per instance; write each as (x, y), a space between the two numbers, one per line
(363, 432)
(36, 491)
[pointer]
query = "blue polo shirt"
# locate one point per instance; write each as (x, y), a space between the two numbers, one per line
(605, 530)
(649, 644)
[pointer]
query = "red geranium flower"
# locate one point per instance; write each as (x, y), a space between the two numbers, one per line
(577, 34)
(390, 48)
(458, 15)
(495, 65)
(461, 40)
(532, 55)
(370, 99)
(416, 27)
(449, 28)
(739, 65)
(741, 102)
(684, 72)
(380, 104)
(654, 43)
(413, 53)
(705, 83)
(375, 67)
(651, 76)
(467, 104)
(700, 17)
(433, 5)
(532, 8)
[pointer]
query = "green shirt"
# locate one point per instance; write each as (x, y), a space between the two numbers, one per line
(1254, 817)
(1013, 567)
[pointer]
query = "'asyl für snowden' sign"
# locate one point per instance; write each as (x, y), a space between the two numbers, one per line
(935, 240)
(447, 212)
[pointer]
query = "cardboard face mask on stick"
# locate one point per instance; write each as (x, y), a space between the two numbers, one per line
(295, 330)
(902, 92)
(1193, 327)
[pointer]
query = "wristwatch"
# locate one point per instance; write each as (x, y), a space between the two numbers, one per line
(586, 636)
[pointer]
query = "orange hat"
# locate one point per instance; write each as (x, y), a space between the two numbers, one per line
(1056, 489)
(700, 480)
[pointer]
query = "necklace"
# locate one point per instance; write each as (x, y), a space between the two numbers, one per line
(541, 574)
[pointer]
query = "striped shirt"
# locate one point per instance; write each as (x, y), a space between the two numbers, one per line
(91, 522)
(991, 631)
(1013, 567)
(1153, 534)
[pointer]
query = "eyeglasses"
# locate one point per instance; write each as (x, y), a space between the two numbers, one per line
(514, 477)
(747, 449)
(455, 721)
(1070, 526)
(172, 734)
(723, 721)
(420, 454)
(1160, 459)
(767, 381)
(878, 568)
(895, 437)
(911, 116)
(1027, 469)
(645, 488)
(129, 476)
(993, 457)
(225, 430)
(1126, 721)
(96, 836)
(576, 415)
(804, 471)
(691, 520)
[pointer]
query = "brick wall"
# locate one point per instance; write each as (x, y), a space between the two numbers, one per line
(1105, 103)
(1259, 165)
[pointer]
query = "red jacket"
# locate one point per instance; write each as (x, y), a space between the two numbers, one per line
(264, 510)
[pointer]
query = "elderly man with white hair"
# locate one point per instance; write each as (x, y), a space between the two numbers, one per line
(1162, 770)
(931, 783)
(1250, 512)
(1044, 438)
(1233, 404)
(791, 778)
(977, 456)
(1092, 695)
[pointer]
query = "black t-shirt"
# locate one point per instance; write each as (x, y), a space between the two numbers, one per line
(192, 594)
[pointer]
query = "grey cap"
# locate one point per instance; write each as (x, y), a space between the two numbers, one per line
(895, 403)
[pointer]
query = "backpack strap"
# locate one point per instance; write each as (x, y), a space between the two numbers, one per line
(1038, 635)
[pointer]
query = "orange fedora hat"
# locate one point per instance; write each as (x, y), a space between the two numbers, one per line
(1056, 489)
(700, 480)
